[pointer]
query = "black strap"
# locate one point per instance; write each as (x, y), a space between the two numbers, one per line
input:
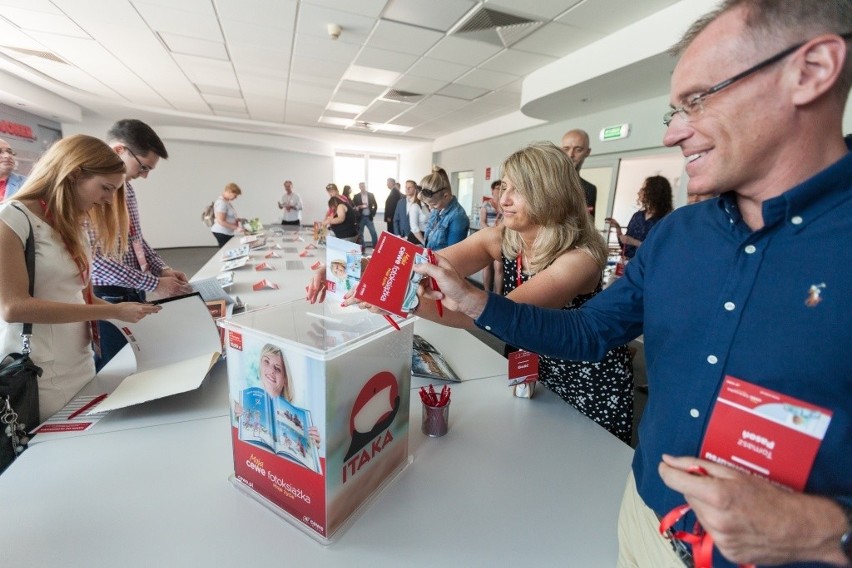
(29, 254)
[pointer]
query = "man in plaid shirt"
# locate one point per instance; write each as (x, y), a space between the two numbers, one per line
(140, 271)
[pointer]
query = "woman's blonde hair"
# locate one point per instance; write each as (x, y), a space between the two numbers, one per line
(270, 349)
(233, 188)
(54, 180)
(436, 181)
(547, 180)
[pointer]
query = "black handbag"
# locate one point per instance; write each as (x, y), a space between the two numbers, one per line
(19, 383)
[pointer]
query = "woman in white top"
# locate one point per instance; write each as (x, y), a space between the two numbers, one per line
(417, 212)
(78, 180)
(226, 220)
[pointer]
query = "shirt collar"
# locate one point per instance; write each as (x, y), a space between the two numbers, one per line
(804, 202)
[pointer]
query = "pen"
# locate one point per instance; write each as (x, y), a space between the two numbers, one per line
(391, 321)
(435, 287)
(88, 406)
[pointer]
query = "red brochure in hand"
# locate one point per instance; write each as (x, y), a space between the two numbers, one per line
(388, 282)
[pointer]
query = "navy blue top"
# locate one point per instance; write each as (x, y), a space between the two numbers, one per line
(715, 298)
(638, 228)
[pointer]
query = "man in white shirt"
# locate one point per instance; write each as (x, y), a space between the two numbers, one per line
(291, 205)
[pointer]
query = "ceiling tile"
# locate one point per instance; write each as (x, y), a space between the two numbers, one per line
(318, 67)
(280, 13)
(439, 103)
(49, 22)
(434, 69)
(179, 19)
(344, 108)
(250, 60)
(464, 51)
(346, 96)
(270, 109)
(259, 36)
(420, 85)
(462, 91)
(441, 15)
(404, 38)
(218, 102)
(370, 75)
(370, 8)
(381, 111)
(305, 93)
(358, 87)
(325, 48)
(218, 90)
(540, 9)
(207, 71)
(516, 62)
(262, 85)
(556, 40)
(194, 46)
(619, 13)
(484, 79)
(383, 59)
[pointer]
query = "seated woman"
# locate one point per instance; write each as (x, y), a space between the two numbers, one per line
(341, 219)
(79, 179)
(551, 256)
(655, 200)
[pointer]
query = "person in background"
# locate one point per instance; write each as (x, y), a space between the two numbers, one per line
(655, 202)
(140, 271)
(746, 286)
(390, 203)
(342, 219)
(78, 180)
(490, 215)
(365, 204)
(416, 212)
(291, 203)
(551, 256)
(347, 192)
(575, 144)
(10, 182)
(227, 222)
(448, 222)
(401, 223)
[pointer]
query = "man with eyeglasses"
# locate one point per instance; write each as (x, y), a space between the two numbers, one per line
(575, 144)
(10, 182)
(141, 271)
(743, 301)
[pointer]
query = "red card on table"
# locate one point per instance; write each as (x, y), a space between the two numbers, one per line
(523, 367)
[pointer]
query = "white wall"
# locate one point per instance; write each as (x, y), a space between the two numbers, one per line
(171, 199)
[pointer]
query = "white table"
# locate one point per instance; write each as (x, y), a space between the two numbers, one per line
(515, 481)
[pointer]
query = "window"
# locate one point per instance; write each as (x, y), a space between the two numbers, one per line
(374, 169)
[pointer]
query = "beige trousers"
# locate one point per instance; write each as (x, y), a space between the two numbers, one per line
(640, 544)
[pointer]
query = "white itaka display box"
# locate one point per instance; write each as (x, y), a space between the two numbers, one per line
(319, 399)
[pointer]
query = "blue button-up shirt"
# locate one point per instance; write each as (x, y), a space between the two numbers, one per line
(447, 226)
(714, 298)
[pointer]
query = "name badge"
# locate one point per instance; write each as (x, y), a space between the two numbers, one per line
(763, 432)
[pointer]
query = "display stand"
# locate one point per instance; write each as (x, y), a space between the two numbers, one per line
(319, 399)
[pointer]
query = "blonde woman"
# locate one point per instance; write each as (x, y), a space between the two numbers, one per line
(226, 223)
(551, 256)
(78, 180)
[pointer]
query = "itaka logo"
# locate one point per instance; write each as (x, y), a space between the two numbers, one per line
(374, 410)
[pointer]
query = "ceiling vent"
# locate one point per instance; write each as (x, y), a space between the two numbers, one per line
(497, 28)
(362, 125)
(401, 96)
(36, 53)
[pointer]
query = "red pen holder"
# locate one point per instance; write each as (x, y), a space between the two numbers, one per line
(435, 420)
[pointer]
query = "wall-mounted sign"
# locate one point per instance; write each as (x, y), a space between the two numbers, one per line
(615, 132)
(16, 129)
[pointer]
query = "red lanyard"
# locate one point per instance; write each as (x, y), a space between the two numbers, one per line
(520, 268)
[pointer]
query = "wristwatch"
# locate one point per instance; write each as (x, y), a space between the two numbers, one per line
(846, 539)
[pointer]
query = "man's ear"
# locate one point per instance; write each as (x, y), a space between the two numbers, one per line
(819, 68)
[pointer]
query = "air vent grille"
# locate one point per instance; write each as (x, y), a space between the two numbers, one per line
(401, 96)
(497, 28)
(36, 53)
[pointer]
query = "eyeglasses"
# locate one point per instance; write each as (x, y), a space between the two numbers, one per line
(142, 167)
(695, 105)
(7, 151)
(430, 193)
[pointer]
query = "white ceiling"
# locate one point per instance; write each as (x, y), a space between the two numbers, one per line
(271, 63)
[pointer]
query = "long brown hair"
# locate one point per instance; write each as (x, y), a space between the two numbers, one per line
(54, 179)
(550, 185)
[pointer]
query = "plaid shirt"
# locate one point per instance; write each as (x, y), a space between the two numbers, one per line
(127, 272)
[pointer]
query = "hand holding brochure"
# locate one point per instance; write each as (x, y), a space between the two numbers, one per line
(388, 281)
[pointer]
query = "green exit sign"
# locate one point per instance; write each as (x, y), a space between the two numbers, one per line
(615, 132)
